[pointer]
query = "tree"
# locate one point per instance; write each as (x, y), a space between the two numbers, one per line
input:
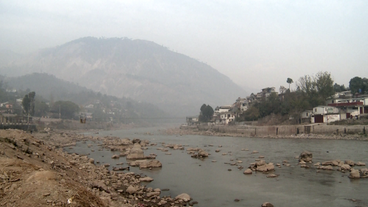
(358, 85)
(41, 108)
(324, 84)
(339, 88)
(67, 109)
(251, 114)
(206, 113)
(26, 103)
(289, 81)
(282, 89)
(306, 85)
(31, 96)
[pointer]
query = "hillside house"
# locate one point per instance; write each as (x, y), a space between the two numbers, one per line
(241, 104)
(326, 114)
(227, 117)
(221, 109)
(306, 116)
(13, 119)
(266, 92)
(192, 120)
(358, 105)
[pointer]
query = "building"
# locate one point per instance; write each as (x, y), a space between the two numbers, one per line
(192, 120)
(13, 119)
(357, 105)
(326, 114)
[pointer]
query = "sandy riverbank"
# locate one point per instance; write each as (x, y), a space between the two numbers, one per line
(35, 171)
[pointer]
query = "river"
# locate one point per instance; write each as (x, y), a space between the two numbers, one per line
(213, 182)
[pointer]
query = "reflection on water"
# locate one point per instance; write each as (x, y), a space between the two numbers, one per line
(210, 182)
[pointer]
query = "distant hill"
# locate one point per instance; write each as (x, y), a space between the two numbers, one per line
(49, 87)
(138, 69)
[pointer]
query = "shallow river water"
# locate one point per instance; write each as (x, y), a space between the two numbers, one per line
(213, 184)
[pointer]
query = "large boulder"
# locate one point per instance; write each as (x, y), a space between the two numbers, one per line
(146, 179)
(131, 189)
(199, 154)
(327, 167)
(360, 164)
(183, 197)
(345, 167)
(349, 162)
(266, 167)
(267, 204)
(262, 166)
(178, 147)
(150, 164)
(332, 163)
(354, 174)
(306, 157)
(136, 153)
(248, 172)
(364, 172)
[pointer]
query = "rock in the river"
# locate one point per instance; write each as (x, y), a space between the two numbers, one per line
(150, 164)
(306, 157)
(345, 167)
(328, 167)
(354, 174)
(200, 154)
(146, 179)
(262, 166)
(332, 163)
(267, 204)
(115, 157)
(360, 164)
(364, 172)
(272, 175)
(136, 153)
(349, 162)
(248, 171)
(184, 197)
(131, 189)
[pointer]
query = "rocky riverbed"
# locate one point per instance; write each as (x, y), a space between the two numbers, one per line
(35, 171)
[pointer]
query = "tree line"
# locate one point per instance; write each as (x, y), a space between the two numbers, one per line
(311, 91)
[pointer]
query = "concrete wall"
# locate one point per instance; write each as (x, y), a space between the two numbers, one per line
(284, 130)
(339, 129)
(18, 126)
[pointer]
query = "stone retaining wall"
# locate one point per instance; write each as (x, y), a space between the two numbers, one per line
(23, 127)
(281, 130)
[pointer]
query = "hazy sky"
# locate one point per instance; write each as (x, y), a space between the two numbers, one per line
(257, 43)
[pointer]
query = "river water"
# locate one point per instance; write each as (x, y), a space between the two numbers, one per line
(213, 182)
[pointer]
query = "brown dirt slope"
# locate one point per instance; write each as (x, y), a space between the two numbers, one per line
(33, 174)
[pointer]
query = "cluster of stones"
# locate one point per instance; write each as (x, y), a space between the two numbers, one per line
(166, 148)
(197, 152)
(126, 188)
(110, 186)
(343, 166)
(261, 166)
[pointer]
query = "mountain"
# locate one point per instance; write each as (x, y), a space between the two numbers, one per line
(138, 69)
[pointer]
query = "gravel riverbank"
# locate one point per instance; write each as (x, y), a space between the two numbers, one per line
(35, 171)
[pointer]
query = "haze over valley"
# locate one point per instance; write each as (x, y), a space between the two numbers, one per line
(137, 69)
